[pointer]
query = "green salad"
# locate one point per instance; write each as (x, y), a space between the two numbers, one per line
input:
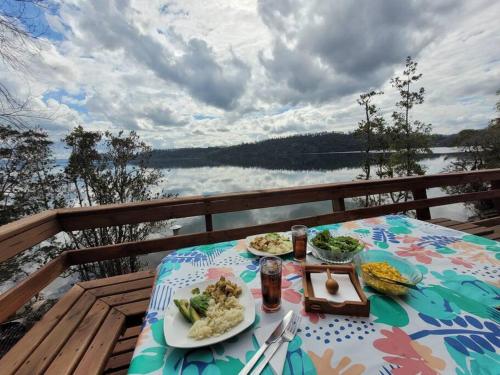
(341, 244)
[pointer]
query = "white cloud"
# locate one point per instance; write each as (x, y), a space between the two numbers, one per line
(197, 74)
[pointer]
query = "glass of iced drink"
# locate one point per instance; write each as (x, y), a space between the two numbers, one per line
(270, 278)
(299, 240)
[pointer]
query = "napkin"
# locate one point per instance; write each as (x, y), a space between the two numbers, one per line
(268, 323)
(346, 292)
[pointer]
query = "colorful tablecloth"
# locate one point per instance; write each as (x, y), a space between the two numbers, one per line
(447, 326)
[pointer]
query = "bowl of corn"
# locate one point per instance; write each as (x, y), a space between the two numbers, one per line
(382, 271)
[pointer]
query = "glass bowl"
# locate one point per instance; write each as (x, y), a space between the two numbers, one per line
(335, 257)
(411, 273)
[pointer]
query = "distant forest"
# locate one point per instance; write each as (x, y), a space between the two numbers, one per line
(295, 152)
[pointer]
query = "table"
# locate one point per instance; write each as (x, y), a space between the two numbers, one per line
(448, 325)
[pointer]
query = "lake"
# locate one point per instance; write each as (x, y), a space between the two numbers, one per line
(209, 180)
(202, 179)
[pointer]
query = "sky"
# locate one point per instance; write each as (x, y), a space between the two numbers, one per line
(196, 74)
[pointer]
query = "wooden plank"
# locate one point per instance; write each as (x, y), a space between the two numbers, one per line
(22, 234)
(120, 288)
(97, 354)
(117, 279)
(449, 223)
(125, 345)
(70, 354)
(493, 236)
(44, 353)
(208, 223)
(495, 184)
(134, 308)
(106, 215)
(119, 361)
(16, 297)
(131, 332)
(463, 226)
(437, 220)
(488, 222)
(479, 231)
(120, 299)
(176, 242)
(338, 204)
(422, 213)
(118, 372)
(15, 356)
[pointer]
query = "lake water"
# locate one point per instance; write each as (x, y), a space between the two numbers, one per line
(223, 179)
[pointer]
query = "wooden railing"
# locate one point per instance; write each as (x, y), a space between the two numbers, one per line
(25, 233)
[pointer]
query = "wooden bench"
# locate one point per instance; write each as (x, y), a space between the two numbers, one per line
(92, 329)
(472, 227)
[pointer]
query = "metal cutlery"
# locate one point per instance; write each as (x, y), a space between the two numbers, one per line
(391, 281)
(275, 335)
(288, 335)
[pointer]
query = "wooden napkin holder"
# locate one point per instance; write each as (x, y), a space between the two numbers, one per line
(321, 305)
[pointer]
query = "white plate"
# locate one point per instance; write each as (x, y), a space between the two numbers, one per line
(259, 253)
(176, 328)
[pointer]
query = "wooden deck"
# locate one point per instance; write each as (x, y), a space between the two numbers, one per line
(92, 329)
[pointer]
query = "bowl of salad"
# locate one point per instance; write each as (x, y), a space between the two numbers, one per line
(335, 249)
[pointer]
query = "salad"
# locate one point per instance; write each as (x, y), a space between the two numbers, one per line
(340, 244)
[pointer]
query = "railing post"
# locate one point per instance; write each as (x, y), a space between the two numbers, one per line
(338, 204)
(422, 213)
(208, 223)
(496, 202)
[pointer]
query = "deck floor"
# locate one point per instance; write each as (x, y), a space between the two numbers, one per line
(94, 327)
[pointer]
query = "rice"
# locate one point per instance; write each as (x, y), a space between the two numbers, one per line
(221, 317)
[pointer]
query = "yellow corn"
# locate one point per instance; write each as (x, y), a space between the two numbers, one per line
(383, 269)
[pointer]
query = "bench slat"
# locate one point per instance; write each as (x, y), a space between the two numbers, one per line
(17, 355)
(120, 299)
(72, 351)
(41, 357)
(117, 279)
(129, 286)
(134, 308)
(98, 352)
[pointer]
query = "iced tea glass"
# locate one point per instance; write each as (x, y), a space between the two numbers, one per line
(270, 279)
(299, 241)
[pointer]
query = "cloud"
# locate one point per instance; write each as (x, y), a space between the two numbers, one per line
(191, 65)
(327, 49)
(183, 74)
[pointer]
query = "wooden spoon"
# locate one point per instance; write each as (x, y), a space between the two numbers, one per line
(332, 286)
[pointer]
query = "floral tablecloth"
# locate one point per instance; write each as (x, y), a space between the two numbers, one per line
(449, 325)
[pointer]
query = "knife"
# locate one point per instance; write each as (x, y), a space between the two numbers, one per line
(278, 331)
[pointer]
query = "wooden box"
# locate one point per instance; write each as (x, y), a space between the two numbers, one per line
(322, 305)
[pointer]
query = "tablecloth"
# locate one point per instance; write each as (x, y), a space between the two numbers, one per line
(448, 325)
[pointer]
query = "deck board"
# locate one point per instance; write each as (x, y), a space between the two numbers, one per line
(41, 357)
(68, 357)
(11, 361)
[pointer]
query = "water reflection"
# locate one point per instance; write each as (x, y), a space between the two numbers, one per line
(223, 179)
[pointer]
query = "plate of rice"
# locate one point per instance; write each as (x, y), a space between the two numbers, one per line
(208, 312)
(275, 243)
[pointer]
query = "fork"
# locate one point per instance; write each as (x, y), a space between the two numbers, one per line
(287, 336)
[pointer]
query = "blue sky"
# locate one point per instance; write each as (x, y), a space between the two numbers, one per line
(198, 74)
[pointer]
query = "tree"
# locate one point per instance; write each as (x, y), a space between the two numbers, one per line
(409, 138)
(29, 183)
(480, 149)
(371, 134)
(19, 30)
(95, 178)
